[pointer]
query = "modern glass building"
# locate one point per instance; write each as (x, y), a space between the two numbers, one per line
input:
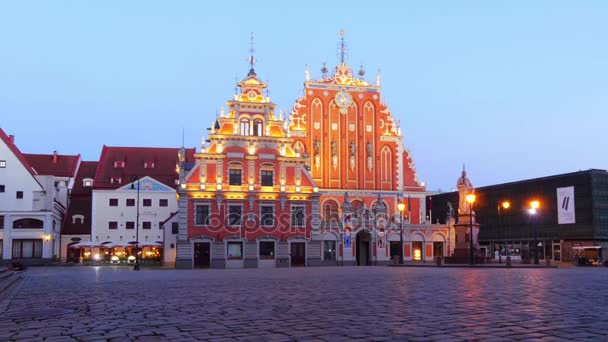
(571, 219)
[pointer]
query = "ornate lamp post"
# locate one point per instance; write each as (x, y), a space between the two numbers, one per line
(136, 266)
(401, 207)
(502, 206)
(534, 205)
(471, 199)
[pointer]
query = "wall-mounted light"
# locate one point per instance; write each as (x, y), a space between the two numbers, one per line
(282, 188)
(47, 237)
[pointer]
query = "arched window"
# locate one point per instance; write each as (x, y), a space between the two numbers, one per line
(258, 128)
(28, 223)
(386, 164)
(244, 127)
(330, 211)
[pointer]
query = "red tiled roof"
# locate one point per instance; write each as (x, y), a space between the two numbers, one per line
(16, 152)
(80, 202)
(57, 165)
(86, 170)
(165, 161)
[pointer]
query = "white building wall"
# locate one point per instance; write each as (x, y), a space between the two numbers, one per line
(103, 213)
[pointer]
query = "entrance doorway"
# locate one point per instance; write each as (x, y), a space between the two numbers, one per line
(298, 254)
(202, 255)
(437, 249)
(363, 242)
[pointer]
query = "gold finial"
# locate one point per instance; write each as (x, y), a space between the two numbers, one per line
(341, 32)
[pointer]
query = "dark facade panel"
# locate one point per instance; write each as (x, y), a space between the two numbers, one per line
(516, 223)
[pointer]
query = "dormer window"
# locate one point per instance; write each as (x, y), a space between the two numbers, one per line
(87, 182)
(77, 219)
(119, 164)
(116, 180)
(258, 128)
(149, 165)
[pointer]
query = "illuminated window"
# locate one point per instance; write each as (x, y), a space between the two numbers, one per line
(258, 128)
(119, 164)
(234, 177)
(87, 183)
(234, 250)
(2, 164)
(244, 127)
(116, 180)
(148, 165)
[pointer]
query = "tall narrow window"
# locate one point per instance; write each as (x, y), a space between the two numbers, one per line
(2, 188)
(297, 216)
(266, 176)
(202, 214)
(244, 127)
(267, 215)
(258, 128)
(234, 215)
(1, 221)
(235, 177)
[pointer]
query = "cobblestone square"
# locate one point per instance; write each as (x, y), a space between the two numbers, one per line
(311, 304)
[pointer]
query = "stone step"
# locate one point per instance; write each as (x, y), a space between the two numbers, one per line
(8, 278)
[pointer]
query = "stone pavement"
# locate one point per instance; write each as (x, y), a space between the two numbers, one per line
(324, 304)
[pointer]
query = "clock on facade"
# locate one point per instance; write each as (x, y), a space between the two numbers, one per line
(343, 100)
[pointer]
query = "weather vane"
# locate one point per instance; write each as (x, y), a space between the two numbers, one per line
(251, 57)
(342, 51)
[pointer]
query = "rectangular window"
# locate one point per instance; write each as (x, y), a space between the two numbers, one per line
(27, 248)
(119, 164)
(146, 225)
(113, 225)
(130, 202)
(130, 225)
(267, 215)
(19, 194)
(235, 177)
(147, 202)
(116, 180)
(235, 250)
(266, 250)
(148, 165)
(88, 183)
(329, 250)
(161, 225)
(1, 222)
(2, 188)
(113, 202)
(234, 215)
(174, 228)
(267, 178)
(297, 216)
(163, 202)
(2, 164)
(202, 215)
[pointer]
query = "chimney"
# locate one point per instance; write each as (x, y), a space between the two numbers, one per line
(11, 139)
(54, 157)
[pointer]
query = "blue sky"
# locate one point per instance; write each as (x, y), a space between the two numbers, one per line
(514, 89)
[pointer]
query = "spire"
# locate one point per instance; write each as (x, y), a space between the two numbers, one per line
(342, 51)
(251, 58)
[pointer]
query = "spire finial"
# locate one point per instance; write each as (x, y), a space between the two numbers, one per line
(342, 47)
(251, 58)
(183, 136)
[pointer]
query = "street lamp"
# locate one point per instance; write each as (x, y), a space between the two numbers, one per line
(471, 199)
(136, 266)
(534, 205)
(504, 206)
(401, 207)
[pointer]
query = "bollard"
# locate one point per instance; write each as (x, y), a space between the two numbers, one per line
(508, 263)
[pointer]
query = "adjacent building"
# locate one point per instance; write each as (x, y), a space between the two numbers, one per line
(571, 218)
(34, 195)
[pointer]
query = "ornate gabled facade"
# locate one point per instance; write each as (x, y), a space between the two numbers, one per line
(249, 201)
(355, 146)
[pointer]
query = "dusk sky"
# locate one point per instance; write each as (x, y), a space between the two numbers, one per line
(514, 89)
